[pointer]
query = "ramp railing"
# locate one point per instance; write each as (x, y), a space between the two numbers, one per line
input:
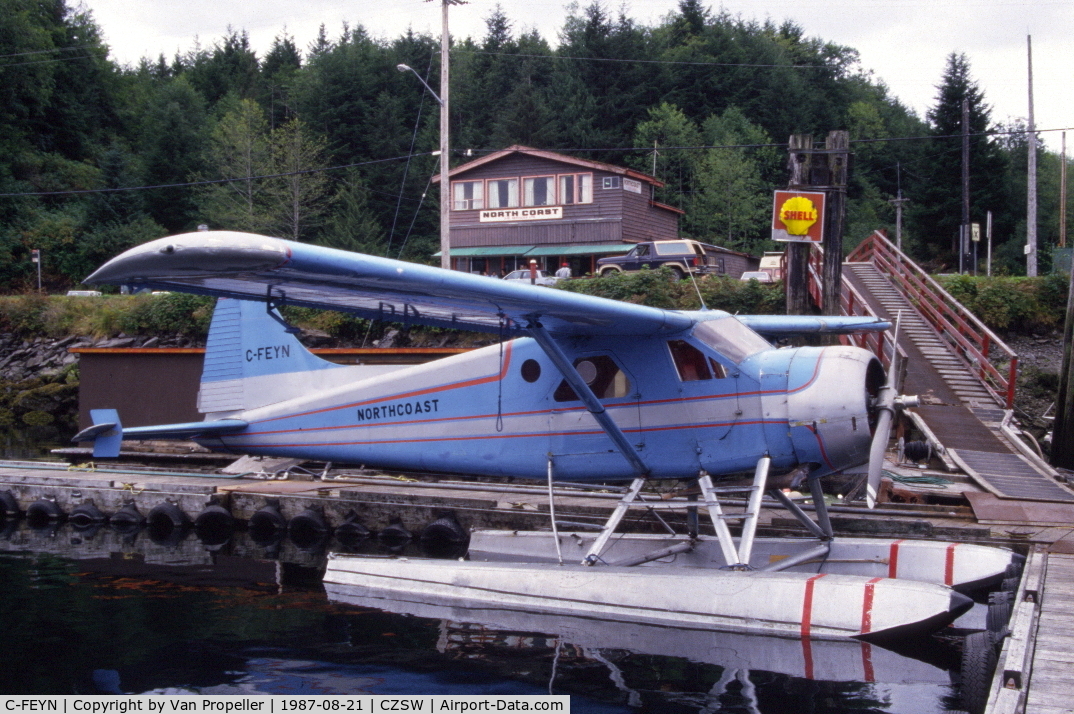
(880, 344)
(971, 339)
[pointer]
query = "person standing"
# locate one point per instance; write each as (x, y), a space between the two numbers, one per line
(564, 270)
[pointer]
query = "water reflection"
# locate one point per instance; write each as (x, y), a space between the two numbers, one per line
(98, 610)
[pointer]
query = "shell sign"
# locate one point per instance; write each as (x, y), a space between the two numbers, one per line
(798, 216)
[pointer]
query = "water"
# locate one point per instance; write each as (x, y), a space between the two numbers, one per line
(102, 612)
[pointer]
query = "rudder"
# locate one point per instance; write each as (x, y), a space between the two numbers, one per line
(251, 360)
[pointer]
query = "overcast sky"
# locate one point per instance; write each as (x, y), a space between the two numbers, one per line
(904, 43)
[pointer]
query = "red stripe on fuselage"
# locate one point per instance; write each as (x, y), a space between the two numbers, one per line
(508, 350)
(407, 395)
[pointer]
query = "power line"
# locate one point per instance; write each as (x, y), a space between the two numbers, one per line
(703, 147)
(208, 182)
(642, 61)
(52, 49)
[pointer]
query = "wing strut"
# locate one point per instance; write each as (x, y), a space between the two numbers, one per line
(563, 364)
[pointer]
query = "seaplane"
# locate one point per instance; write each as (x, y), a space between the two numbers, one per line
(576, 389)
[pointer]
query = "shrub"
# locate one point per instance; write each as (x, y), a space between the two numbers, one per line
(1023, 305)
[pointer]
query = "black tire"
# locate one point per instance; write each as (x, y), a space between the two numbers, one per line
(308, 530)
(86, 515)
(978, 666)
(9, 505)
(127, 519)
(213, 526)
(351, 532)
(605, 272)
(267, 525)
(395, 533)
(164, 521)
(42, 512)
(677, 274)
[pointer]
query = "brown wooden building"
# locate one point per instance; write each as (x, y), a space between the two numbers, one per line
(520, 203)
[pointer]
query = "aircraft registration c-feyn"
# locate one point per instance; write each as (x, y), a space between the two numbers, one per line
(578, 388)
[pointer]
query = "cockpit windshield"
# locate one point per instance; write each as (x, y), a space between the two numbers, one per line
(730, 338)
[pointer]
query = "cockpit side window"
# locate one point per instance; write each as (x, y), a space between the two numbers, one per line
(692, 364)
(602, 375)
(730, 338)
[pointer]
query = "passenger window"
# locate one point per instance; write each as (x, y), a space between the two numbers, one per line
(602, 375)
(692, 364)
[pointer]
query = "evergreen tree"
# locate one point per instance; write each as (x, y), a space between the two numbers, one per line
(353, 226)
(238, 149)
(298, 194)
(937, 205)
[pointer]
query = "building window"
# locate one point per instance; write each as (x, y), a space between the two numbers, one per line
(575, 188)
(611, 182)
(468, 195)
(503, 193)
(539, 191)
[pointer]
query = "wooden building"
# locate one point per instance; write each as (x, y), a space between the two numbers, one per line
(523, 204)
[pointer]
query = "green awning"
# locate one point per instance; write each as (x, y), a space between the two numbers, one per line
(486, 251)
(583, 249)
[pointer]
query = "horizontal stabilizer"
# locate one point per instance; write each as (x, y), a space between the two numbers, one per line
(776, 325)
(107, 433)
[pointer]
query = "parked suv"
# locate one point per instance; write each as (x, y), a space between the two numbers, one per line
(682, 256)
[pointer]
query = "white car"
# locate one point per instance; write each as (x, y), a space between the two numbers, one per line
(758, 275)
(523, 276)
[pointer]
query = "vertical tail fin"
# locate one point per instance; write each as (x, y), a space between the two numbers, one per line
(251, 360)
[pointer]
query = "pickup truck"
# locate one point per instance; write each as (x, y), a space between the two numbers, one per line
(682, 256)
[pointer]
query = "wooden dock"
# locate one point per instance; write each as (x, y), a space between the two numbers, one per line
(1035, 672)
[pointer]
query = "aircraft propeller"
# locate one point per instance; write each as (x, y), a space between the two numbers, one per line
(885, 404)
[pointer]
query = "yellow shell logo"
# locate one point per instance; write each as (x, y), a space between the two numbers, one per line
(798, 214)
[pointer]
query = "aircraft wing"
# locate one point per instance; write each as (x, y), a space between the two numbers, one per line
(254, 267)
(780, 325)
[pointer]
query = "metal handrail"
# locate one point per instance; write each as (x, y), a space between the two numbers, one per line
(973, 339)
(852, 303)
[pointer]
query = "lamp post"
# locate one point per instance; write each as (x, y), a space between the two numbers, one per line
(445, 192)
(445, 164)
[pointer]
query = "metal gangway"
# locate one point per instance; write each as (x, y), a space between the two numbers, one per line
(963, 373)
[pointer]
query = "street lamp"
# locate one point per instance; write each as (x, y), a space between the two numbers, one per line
(408, 68)
(445, 194)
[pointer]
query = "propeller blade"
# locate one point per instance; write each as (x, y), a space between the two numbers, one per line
(878, 447)
(886, 406)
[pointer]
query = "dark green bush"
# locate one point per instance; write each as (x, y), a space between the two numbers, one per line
(1012, 304)
(658, 288)
(170, 313)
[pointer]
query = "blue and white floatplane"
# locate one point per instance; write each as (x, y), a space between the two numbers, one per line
(578, 389)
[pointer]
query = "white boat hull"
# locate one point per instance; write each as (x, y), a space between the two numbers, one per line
(822, 606)
(963, 566)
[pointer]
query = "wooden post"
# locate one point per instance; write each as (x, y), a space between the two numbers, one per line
(837, 144)
(1063, 429)
(796, 278)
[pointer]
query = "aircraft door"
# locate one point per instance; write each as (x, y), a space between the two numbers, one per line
(580, 447)
(708, 398)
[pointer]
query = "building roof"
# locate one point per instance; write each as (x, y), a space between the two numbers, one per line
(562, 158)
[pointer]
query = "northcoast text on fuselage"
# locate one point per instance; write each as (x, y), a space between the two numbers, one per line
(398, 409)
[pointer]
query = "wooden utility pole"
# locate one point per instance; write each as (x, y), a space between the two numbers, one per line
(964, 228)
(1063, 428)
(1031, 179)
(1063, 195)
(799, 165)
(837, 150)
(819, 170)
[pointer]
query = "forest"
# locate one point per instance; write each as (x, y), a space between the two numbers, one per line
(332, 144)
